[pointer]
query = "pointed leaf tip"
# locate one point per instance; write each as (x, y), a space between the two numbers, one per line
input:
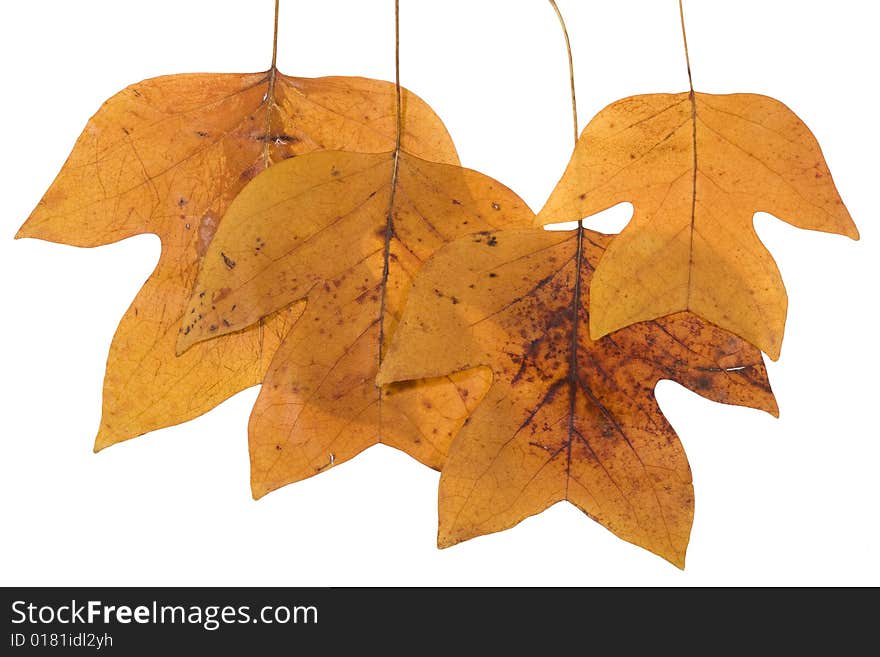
(447, 539)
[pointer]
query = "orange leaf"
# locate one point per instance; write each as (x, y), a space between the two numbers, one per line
(167, 156)
(567, 417)
(696, 170)
(347, 232)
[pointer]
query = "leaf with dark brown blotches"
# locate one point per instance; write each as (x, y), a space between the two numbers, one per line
(566, 417)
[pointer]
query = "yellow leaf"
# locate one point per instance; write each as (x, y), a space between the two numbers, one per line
(696, 170)
(167, 156)
(347, 232)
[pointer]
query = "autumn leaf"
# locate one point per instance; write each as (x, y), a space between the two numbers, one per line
(567, 417)
(696, 168)
(347, 232)
(167, 156)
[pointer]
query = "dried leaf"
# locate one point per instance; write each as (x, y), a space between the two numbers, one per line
(348, 232)
(166, 156)
(567, 417)
(696, 171)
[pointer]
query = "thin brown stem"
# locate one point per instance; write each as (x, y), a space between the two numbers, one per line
(574, 108)
(397, 93)
(270, 92)
(270, 103)
(578, 257)
(576, 293)
(693, 100)
(389, 216)
(275, 37)
(687, 57)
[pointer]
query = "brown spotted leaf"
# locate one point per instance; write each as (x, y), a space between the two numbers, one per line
(167, 156)
(567, 417)
(346, 232)
(696, 169)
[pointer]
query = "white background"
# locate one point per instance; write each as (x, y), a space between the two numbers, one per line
(779, 502)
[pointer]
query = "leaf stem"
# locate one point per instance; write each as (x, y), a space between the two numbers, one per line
(687, 57)
(574, 109)
(270, 102)
(578, 258)
(693, 100)
(275, 37)
(389, 217)
(397, 92)
(270, 92)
